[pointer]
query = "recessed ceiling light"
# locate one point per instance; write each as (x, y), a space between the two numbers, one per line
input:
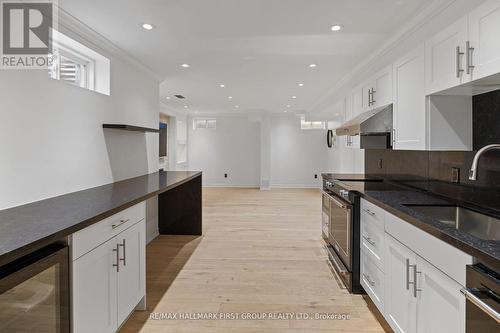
(288, 106)
(336, 27)
(237, 106)
(313, 65)
(147, 26)
(186, 65)
(285, 111)
(168, 97)
(300, 84)
(230, 97)
(185, 106)
(294, 97)
(222, 85)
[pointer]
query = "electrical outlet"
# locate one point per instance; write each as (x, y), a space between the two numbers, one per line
(455, 175)
(225, 175)
(315, 176)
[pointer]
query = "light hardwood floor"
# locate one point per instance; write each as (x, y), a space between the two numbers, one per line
(261, 253)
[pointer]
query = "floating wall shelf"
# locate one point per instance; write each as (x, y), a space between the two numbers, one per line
(130, 128)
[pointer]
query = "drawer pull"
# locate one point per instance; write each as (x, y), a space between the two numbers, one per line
(124, 259)
(369, 212)
(370, 282)
(369, 240)
(114, 226)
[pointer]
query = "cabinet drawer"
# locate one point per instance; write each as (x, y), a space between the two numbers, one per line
(89, 238)
(372, 280)
(372, 241)
(371, 212)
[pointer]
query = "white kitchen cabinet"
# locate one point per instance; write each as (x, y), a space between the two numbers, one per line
(382, 88)
(445, 58)
(356, 103)
(130, 283)
(484, 28)
(372, 279)
(94, 291)
(108, 281)
(399, 304)
(409, 109)
(440, 304)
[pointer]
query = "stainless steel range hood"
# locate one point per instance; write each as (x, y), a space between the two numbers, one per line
(374, 127)
(375, 121)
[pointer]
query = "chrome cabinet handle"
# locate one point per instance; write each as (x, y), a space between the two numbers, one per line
(370, 97)
(468, 57)
(469, 295)
(124, 259)
(369, 212)
(373, 96)
(408, 282)
(370, 282)
(415, 288)
(369, 240)
(114, 226)
(117, 250)
(458, 55)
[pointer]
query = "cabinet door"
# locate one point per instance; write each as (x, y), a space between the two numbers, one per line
(131, 278)
(399, 304)
(445, 68)
(357, 103)
(382, 83)
(440, 305)
(409, 102)
(94, 290)
(484, 26)
(366, 100)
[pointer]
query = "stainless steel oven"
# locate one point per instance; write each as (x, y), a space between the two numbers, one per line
(340, 229)
(483, 300)
(325, 215)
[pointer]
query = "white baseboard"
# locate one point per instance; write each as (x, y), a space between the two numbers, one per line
(295, 185)
(233, 185)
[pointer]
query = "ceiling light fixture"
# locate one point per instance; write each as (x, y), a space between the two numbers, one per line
(313, 65)
(186, 65)
(222, 85)
(294, 97)
(147, 26)
(185, 106)
(230, 97)
(168, 97)
(336, 27)
(300, 84)
(288, 106)
(237, 106)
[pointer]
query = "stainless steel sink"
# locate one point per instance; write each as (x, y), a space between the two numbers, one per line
(474, 223)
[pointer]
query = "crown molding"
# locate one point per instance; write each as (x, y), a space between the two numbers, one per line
(413, 25)
(83, 31)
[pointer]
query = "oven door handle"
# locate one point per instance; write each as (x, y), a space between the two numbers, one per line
(338, 203)
(469, 295)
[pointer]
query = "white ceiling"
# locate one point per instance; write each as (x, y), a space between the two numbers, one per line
(260, 49)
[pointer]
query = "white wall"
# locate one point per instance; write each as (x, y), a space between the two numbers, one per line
(51, 136)
(233, 148)
(296, 155)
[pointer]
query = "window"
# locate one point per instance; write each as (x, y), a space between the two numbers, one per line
(76, 64)
(204, 123)
(73, 68)
(312, 125)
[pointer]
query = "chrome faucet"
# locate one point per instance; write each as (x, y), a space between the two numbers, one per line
(480, 152)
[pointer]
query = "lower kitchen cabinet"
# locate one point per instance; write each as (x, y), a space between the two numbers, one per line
(400, 305)
(412, 293)
(440, 304)
(108, 282)
(94, 291)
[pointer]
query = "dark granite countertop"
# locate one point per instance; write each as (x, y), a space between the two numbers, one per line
(29, 227)
(394, 198)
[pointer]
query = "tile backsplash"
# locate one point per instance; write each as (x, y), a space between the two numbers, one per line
(438, 165)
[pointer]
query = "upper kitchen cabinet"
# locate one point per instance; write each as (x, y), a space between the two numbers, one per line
(461, 55)
(356, 103)
(409, 114)
(427, 123)
(378, 90)
(445, 58)
(483, 49)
